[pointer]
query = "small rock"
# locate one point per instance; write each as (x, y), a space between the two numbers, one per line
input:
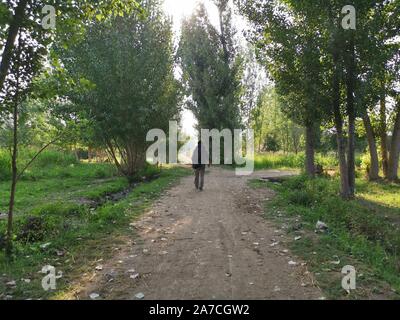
(45, 245)
(11, 283)
(134, 276)
(60, 253)
(297, 238)
(277, 289)
(139, 296)
(94, 296)
(99, 268)
(321, 227)
(292, 263)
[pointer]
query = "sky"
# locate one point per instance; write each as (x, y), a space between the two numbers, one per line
(178, 9)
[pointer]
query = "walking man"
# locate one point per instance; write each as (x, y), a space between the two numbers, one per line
(199, 158)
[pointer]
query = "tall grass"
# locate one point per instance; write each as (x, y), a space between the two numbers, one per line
(52, 164)
(295, 161)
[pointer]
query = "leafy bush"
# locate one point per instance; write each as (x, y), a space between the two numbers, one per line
(32, 229)
(5, 165)
(365, 162)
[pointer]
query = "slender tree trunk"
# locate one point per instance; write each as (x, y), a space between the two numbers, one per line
(395, 148)
(383, 134)
(310, 150)
(351, 160)
(373, 170)
(221, 8)
(14, 178)
(341, 141)
(10, 43)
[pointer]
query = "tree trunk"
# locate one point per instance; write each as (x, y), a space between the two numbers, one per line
(351, 160)
(14, 179)
(395, 148)
(10, 43)
(310, 150)
(341, 141)
(373, 170)
(383, 134)
(221, 9)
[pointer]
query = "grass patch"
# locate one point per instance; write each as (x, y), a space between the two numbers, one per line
(295, 161)
(62, 184)
(72, 237)
(361, 233)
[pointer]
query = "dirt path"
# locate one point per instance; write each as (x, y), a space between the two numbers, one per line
(205, 245)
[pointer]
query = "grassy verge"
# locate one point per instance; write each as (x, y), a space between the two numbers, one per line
(70, 236)
(295, 161)
(362, 233)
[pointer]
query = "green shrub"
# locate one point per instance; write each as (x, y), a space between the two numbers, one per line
(5, 165)
(365, 162)
(32, 229)
(296, 183)
(301, 197)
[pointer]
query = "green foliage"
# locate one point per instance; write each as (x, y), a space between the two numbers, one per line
(119, 56)
(211, 69)
(277, 160)
(273, 129)
(50, 158)
(47, 221)
(296, 161)
(5, 165)
(362, 229)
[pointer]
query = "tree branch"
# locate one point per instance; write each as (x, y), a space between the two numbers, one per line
(37, 154)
